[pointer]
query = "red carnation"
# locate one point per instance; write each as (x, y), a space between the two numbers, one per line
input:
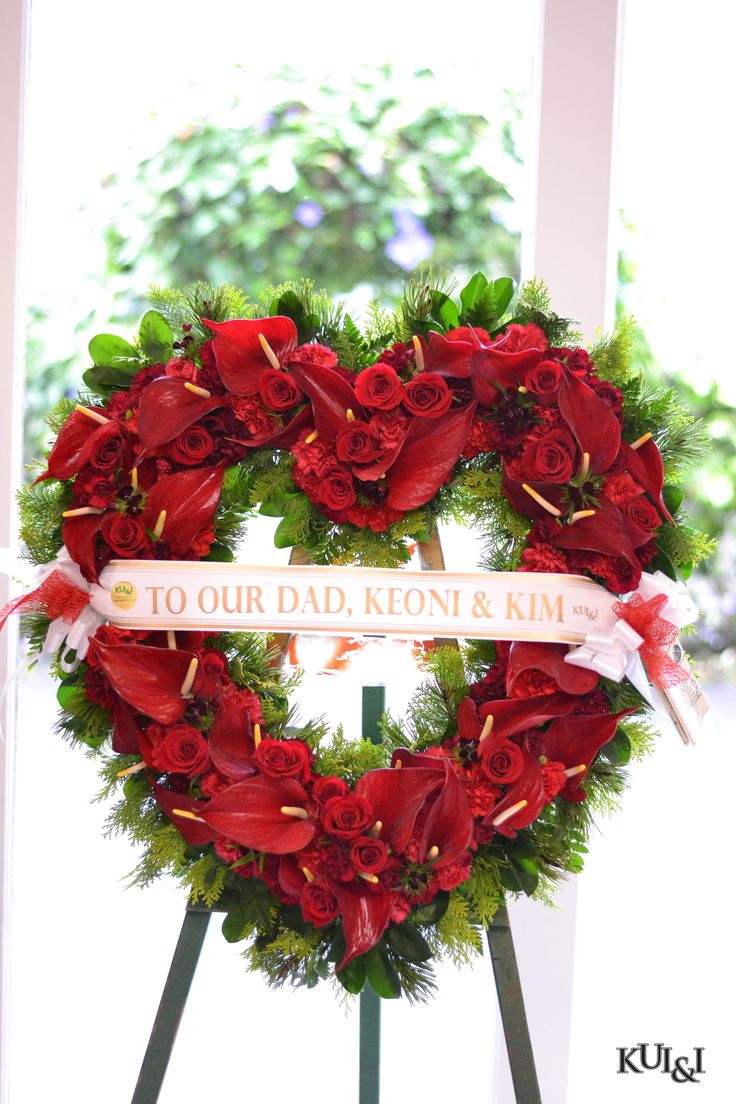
(503, 762)
(318, 904)
(543, 558)
(278, 390)
(544, 381)
(427, 396)
(283, 759)
(183, 750)
(639, 512)
(347, 817)
(620, 488)
(455, 873)
(192, 447)
(325, 789)
(355, 444)
(379, 387)
(126, 535)
(93, 489)
(336, 490)
(367, 855)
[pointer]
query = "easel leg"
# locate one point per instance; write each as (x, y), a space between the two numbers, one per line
(173, 999)
(513, 1014)
(370, 1047)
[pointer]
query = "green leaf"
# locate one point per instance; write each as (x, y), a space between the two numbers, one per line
(618, 749)
(521, 847)
(664, 564)
(287, 533)
(219, 553)
(472, 291)
(106, 349)
(277, 504)
(381, 973)
(235, 923)
(444, 311)
(434, 911)
(407, 941)
(352, 977)
(503, 290)
(520, 876)
(65, 694)
(156, 336)
(289, 305)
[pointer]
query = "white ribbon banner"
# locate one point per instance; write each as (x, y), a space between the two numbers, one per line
(137, 594)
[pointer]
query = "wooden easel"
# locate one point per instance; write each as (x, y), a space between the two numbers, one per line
(500, 944)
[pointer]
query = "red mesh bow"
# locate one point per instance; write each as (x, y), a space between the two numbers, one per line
(657, 634)
(56, 596)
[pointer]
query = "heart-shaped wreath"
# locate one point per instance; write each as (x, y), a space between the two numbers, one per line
(335, 858)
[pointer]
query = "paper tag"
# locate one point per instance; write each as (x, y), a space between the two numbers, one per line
(686, 704)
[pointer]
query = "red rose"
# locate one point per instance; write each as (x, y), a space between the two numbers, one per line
(336, 490)
(278, 390)
(639, 512)
(356, 444)
(104, 449)
(544, 381)
(503, 762)
(193, 446)
(283, 759)
(347, 817)
(427, 396)
(125, 535)
(325, 789)
(379, 387)
(550, 459)
(212, 668)
(367, 855)
(318, 904)
(183, 750)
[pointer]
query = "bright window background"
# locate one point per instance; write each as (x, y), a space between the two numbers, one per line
(90, 959)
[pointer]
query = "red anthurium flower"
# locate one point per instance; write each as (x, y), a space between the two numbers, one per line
(448, 828)
(646, 467)
(193, 831)
(468, 725)
(149, 679)
(365, 916)
(447, 356)
(64, 458)
(526, 797)
(292, 878)
(241, 356)
(526, 504)
(126, 732)
(167, 408)
(250, 813)
(514, 715)
(593, 423)
(331, 397)
(190, 499)
(430, 451)
(575, 741)
(289, 435)
(549, 658)
(397, 796)
(80, 537)
(231, 741)
(605, 531)
(504, 363)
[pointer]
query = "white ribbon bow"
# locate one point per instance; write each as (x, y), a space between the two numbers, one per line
(614, 653)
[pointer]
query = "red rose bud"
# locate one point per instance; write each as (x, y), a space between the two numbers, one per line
(379, 387)
(278, 390)
(503, 761)
(639, 512)
(193, 446)
(337, 491)
(367, 855)
(183, 750)
(283, 759)
(104, 449)
(347, 817)
(318, 904)
(125, 535)
(543, 381)
(427, 396)
(325, 789)
(356, 444)
(550, 459)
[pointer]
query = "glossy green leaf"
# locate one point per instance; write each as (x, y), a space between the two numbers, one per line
(353, 976)
(287, 533)
(219, 553)
(618, 749)
(407, 941)
(106, 349)
(156, 336)
(472, 291)
(235, 923)
(444, 311)
(503, 290)
(432, 912)
(673, 497)
(381, 973)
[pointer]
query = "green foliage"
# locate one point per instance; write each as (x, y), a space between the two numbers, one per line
(534, 305)
(613, 353)
(504, 530)
(483, 889)
(350, 758)
(41, 506)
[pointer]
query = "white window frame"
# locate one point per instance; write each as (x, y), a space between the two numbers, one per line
(569, 243)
